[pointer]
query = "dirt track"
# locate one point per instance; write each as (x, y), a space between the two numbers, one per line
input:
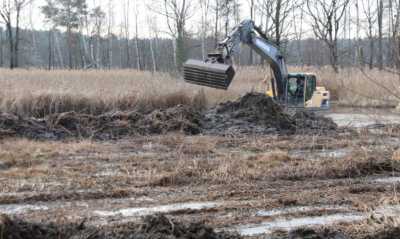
(255, 185)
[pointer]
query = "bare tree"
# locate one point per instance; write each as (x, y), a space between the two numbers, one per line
(369, 11)
(10, 13)
(277, 13)
(394, 35)
(326, 20)
(252, 5)
(126, 33)
(177, 13)
(110, 35)
(217, 9)
(138, 59)
(380, 33)
(1, 48)
(298, 27)
(205, 7)
(97, 18)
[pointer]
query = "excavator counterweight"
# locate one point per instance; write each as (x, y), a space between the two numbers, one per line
(215, 75)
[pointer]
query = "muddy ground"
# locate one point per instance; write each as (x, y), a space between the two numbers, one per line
(333, 183)
(252, 114)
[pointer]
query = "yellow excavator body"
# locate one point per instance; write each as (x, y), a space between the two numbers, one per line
(303, 92)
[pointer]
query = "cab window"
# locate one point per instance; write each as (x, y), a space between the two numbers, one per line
(311, 87)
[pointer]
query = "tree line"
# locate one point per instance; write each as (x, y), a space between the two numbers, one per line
(309, 32)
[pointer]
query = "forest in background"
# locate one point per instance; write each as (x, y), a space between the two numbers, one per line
(309, 32)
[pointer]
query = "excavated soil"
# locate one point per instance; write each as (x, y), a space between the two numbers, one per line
(257, 113)
(152, 227)
(252, 114)
(106, 126)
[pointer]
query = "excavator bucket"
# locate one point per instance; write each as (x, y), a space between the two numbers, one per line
(215, 75)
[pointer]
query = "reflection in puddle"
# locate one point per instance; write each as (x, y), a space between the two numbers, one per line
(363, 120)
(129, 212)
(293, 210)
(269, 227)
(320, 154)
(387, 180)
(20, 209)
(290, 224)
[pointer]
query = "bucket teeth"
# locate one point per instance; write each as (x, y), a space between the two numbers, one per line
(213, 75)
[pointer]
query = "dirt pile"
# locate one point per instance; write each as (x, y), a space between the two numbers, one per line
(258, 114)
(160, 227)
(107, 126)
(15, 229)
(152, 227)
(119, 124)
(254, 113)
(12, 125)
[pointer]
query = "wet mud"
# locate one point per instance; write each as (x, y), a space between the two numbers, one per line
(251, 114)
(154, 226)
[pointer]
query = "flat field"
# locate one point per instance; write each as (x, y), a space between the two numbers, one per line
(294, 183)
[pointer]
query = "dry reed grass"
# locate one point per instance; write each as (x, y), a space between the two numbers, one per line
(39, 92)
(274, 165)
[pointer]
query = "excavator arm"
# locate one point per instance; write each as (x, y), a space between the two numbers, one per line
(217, 70)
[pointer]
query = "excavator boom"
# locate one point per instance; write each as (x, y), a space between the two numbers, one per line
(217, 71)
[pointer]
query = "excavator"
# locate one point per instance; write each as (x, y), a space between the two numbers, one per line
(293, 90)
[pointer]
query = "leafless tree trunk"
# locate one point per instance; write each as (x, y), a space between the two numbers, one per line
(277, 13)
(326, 19)
(110, 33)
(126, 25)
(138, 60)
(370, 17)
(205, 7)
(50, 49)
(217, 16)
(59, 51)
(252, 12)
(394, 35)
(34, 53)
(177, 13)
(380, 34)
(7, 10)
(299, 31)
(1, 48)
(153, 29)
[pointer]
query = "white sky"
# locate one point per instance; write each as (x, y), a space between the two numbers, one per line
(33, 16)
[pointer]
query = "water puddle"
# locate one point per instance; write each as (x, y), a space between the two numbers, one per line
(388, 211)
(20, 209)
(131, 212)
(320, 154)
(387, 180)
(282, 224)
(294, 210)
(293, 223)
(363, 120)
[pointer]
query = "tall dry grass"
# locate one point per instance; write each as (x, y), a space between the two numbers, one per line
(39, 92)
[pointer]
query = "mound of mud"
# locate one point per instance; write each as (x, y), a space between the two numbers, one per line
(153, 227)
(253, 113)
(15, 229)
(107, 126)
(257, 113)
(160, 227)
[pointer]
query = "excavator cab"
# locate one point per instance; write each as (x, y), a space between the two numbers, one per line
(302, 92)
